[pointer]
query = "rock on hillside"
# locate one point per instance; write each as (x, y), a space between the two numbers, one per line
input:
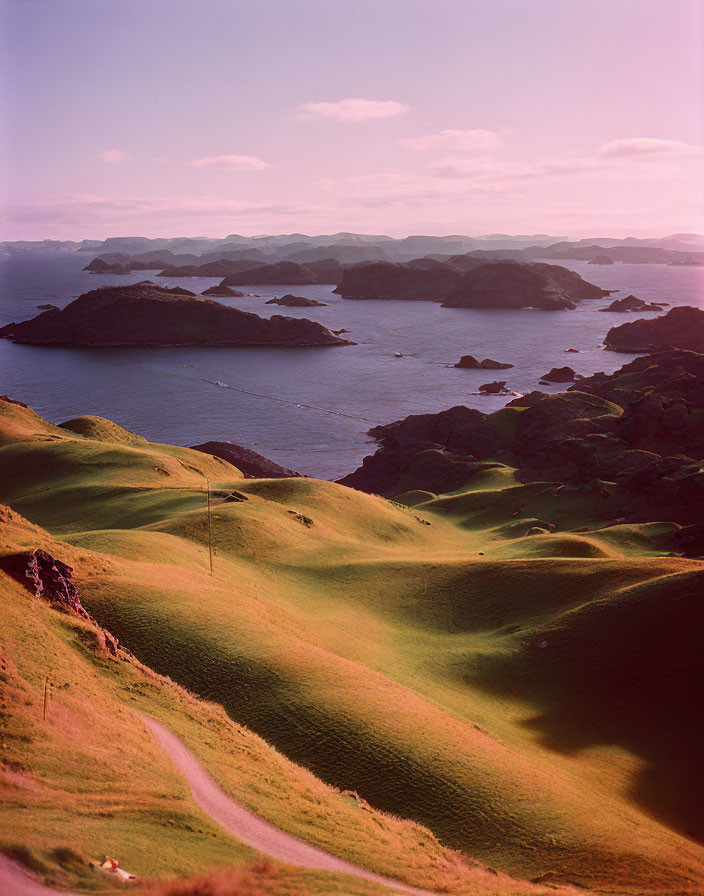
(252, 464)
(680, 328)
(145, 314)
(509, 284)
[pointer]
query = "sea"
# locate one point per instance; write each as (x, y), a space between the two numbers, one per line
(310, 409)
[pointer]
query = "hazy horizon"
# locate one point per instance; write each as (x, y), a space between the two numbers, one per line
(163, 119)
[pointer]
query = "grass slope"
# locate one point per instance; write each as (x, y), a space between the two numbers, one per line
(397, 658)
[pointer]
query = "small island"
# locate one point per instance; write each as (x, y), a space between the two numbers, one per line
(469, 362)
(144, 314)
(294, 301)
(632, 304)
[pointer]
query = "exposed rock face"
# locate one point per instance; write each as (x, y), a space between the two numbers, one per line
(294, 301)
(253, 465)
(680, 328)
(601, 259)
(145, 314)
(560, 375)
(384, 280)
(469, 362)
(222, 291)
(510, 284)
(632, 303)
(50, 579)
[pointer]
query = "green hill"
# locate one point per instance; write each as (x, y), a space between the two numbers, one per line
(397, 652)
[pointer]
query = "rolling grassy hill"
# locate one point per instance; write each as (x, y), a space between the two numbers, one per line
(528, 700)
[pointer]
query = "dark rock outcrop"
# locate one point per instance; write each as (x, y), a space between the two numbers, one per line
(560, 375)
(511, 284)
(632, 303)
(52, 580)
(469, 362)
(498, 387)
(294, 301)
(252, 464)
(144, 314)
(680, 328)
(48, 307)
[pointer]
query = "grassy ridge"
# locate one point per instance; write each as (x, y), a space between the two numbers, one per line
(394, 657)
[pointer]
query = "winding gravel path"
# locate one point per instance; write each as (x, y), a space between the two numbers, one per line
(245, 825)
(249, 828)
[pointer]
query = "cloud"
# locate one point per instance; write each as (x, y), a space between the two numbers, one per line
(232, 163)
(112, 156)
(477, 140)
(479, 169)
(647, 147)
(352, 110)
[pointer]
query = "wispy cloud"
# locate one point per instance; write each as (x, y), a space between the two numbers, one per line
(352, 110)
(112, 156)
(648, 147)
(233, 163)
(475, 140)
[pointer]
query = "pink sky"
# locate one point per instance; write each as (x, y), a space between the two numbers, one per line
(458, 116)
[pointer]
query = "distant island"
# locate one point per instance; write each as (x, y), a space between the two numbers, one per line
(502, 284)
(145, 314)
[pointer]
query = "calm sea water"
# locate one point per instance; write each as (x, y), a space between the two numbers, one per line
(309, 408)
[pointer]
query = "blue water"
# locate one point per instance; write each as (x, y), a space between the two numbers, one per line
(313, 406)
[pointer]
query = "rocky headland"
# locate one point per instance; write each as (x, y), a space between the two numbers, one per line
(252, 464)
(624, 447)
(680, 328)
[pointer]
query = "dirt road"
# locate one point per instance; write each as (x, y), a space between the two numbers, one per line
(249, 828)
(243, 824)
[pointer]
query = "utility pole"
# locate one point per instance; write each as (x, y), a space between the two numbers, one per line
(46, 692)
(210, 527)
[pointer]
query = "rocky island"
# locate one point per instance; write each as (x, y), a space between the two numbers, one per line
(145, 314)
(294, 301)
(469, 362)
(632, 304)
(511, 284)
(478, 284)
